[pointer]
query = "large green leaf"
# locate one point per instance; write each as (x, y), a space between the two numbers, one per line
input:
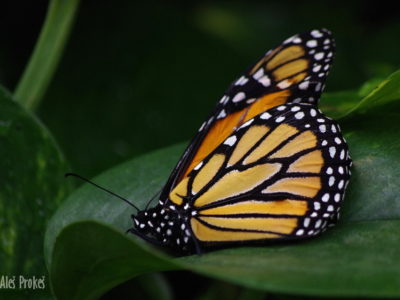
(370, 95)
(336, 104)
(374, 143)
(356, 259)
(137, 180)
(88, 252)
(31, 169)
(385, 92)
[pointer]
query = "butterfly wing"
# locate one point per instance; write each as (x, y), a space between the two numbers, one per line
(281, 175)
(295, 71)
(299, 66)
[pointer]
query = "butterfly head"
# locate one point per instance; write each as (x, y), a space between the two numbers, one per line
(164, 226)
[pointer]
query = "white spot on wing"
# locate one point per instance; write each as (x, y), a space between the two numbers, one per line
(337, 197)
(247, 123)
(299, 115)
(342, 154)
(297, 40)
(311, 43)
(318, 223)
(313, 112)
(332, 151)
(202, 126)
(317, 68)
(341, 184)
(198, 165)
(331, 180)
(223, 99)
(241, 81)
(319, 55)
(230, 141)
(260, 73)
(265, 116)
(239, 97)
(316, 34)
(304, 85)
(284, 84)
(289, 40)
(295, 108)
(325, 197)
(222, 114)
(265, 81)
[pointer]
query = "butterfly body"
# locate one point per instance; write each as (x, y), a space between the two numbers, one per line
(267, 165)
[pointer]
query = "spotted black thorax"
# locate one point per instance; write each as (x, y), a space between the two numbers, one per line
(166, 226)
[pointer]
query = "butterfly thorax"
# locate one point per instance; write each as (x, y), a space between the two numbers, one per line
(166, 226)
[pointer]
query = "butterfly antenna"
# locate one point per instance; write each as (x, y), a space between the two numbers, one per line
(103, 189)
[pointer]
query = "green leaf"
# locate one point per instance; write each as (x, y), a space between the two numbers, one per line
(370, 95)
(138, 180)
(32, 168)
(88, 251)
(336, 104)
(98, 258)
(386, 92)
(374, 144)
(356, 258)
(47, 53)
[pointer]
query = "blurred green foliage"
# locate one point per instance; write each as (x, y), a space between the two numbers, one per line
(141, 75)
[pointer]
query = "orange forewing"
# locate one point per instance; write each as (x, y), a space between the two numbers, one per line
(223, 128)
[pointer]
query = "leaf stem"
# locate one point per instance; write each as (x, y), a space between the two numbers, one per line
(46, 54)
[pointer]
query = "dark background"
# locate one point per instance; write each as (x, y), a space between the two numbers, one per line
(140, 75)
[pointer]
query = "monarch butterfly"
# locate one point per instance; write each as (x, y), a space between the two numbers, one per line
(266, 165)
